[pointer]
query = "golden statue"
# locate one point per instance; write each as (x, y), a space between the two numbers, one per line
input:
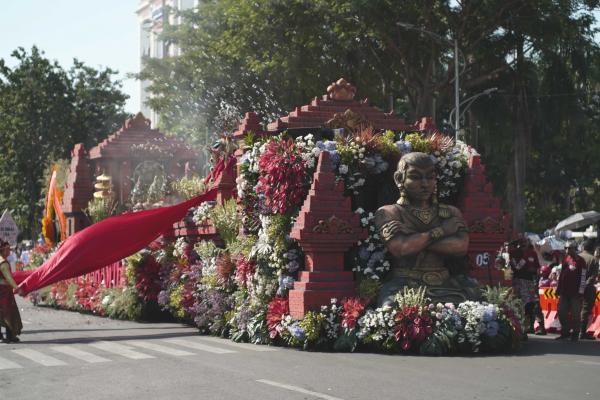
(427, 242)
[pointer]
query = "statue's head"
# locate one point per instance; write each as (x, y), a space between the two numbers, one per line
(416, 178)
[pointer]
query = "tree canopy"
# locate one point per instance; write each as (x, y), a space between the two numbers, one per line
(44, 111)
(270, 56)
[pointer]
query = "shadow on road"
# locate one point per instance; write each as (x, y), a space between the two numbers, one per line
(537, 346)
(90, 339)
(36, 331)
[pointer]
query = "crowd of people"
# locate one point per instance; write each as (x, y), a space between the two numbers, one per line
(573, 274)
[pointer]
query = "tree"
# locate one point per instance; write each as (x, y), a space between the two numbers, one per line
(268, 56)
(44, 112)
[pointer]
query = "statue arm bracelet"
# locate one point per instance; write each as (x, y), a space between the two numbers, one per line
(436, 233)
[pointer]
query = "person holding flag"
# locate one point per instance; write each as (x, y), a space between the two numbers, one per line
(10, 318)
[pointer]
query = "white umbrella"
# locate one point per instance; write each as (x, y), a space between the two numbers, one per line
(579, 220)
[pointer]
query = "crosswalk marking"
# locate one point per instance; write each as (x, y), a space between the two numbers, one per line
(121, 350)
(80, 354)
(39, 358)
(160, 348)
(199, 346)
(246, 346)
(7, 364)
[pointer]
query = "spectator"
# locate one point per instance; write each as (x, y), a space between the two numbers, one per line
(589, 294)
(554, 275)
(545, 280)
(525, 264)
(571, 285)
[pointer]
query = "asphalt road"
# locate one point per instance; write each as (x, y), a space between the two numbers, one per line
(65, 355)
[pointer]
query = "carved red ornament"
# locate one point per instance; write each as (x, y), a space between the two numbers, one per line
(341, 90)
(325, 229)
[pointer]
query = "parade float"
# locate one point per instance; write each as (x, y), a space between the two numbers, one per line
(289, 252)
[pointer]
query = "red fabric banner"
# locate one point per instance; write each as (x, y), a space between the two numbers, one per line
(108, 241)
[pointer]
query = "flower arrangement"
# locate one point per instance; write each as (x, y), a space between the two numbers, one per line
(240, 289)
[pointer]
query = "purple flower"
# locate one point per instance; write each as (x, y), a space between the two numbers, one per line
(363, 253)
(163, 298)
(492, 328)
(297, 332)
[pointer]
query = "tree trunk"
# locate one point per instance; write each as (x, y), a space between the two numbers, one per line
(521, 139)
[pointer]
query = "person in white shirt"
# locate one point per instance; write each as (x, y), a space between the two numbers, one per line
(12, 260)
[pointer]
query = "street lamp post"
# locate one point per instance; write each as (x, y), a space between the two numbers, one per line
(456, 90)
(456, 111)
(454, 43)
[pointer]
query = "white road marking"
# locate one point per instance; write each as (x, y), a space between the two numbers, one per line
(80, 354)
(247, 346)
(39, 358)
(298, 389)
(588, 362)
(121, 350)
(199, 346)
(160, 348)
(7, 364)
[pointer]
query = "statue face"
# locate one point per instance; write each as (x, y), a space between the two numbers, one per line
(420, 182)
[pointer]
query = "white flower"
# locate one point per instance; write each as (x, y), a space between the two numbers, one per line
(343, 169)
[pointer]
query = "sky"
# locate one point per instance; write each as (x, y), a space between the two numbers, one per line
(99, 33)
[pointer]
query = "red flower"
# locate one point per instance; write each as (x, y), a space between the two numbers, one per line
(353, 308)
(282, 176)
(277, 309)
(244, 271)
(148, 279)
(413, 326)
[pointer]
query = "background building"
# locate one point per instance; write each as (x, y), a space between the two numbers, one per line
(152, 16)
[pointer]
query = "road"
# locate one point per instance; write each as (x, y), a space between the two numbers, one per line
(65, 355)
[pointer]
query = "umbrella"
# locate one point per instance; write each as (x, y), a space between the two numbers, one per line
(578, 220)
(550, 244)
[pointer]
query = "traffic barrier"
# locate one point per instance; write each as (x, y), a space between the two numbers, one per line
(549, 305)
(594, 325)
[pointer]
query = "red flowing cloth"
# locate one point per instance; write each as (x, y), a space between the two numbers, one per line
(108, 241)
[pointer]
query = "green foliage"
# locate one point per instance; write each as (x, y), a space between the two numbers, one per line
(206, 250)
(411, 297)
(227, 221)
(313, 324)
(418, 143)
(242, 246)
(44, 111)
(99, 209)
(369, 288)
(442, 341)
(188, 187)
(387, 145)
(125, 305)
(540, 54)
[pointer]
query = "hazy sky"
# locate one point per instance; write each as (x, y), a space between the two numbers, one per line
(99, 33)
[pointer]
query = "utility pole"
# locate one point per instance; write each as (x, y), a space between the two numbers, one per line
(456, 91)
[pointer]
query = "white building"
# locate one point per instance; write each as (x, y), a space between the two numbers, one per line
(152, 17)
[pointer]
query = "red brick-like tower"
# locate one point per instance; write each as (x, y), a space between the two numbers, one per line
(78, 190)
(326, 227)
(489, 227)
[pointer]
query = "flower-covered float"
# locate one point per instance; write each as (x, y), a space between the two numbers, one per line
(238, 286)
